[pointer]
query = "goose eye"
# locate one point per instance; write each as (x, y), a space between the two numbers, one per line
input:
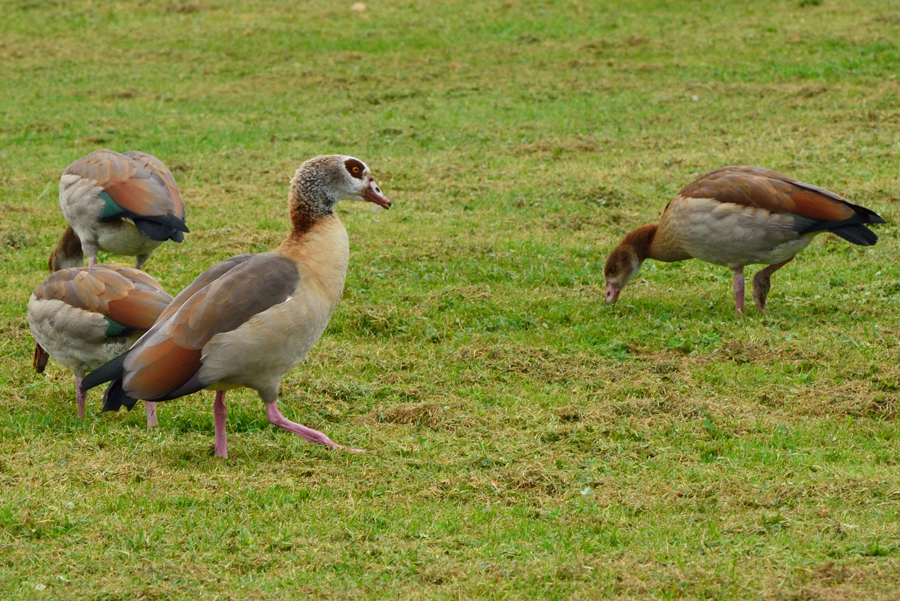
(354, 168)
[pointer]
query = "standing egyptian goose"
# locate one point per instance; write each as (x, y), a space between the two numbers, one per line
(250, 319)
(127, 204)
(86, 316)
(737, 216)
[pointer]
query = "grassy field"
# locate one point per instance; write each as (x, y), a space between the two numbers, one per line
(528, 442)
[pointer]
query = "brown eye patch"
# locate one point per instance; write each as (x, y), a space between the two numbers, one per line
(355, 168)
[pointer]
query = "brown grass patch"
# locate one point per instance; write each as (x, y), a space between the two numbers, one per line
(436, 416)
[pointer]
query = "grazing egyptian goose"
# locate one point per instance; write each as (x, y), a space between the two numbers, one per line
(127, 204)
(67, 253)
(737, 216)
(86, 316)
(250, 319)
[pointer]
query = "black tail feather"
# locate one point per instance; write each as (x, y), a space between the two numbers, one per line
(870, 215)
(153, 230)
(112, 370)
(155, 227)
(857, 234)
(161, 228)
(115, 396)
(852, 229)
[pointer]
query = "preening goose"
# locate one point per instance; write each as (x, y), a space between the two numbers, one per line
(250, 319)
(86, 316)
(737, 216)
(125, 203)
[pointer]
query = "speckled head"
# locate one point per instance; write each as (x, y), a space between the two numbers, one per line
(323, 181)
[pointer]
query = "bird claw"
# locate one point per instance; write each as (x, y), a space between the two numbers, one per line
(339, 447)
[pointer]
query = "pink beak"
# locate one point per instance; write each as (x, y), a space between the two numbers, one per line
(373, 193)
(612, 293)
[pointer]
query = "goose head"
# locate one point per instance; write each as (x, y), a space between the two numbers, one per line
(323, 181)
(68, 252)
(625, 260)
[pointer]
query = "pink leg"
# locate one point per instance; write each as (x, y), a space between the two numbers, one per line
(739, 290)
(220, 414)
(92, 261)
(80, 397)
(276, 419)
(150, 409)
(762, 284)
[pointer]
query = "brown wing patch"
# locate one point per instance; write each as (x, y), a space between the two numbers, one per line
(813, 205)
(103, 166)
(769, 190)
(154, 165)
(74, 287)
(134, 186)
(139, 310)
(143, 194)
(127, 296)
(155, 370)
(133, 298)
(134, 274)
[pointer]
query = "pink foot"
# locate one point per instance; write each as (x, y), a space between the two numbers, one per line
(80, 397)
(220, 414)
(150, 408)
(762, 283)
(314, 436)
(738, 290)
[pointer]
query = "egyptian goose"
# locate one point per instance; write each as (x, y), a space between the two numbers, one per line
(86, 316)
(250, 319)
(125, 203)
(736, 216)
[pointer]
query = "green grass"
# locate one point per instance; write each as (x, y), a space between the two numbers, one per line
(527, 441)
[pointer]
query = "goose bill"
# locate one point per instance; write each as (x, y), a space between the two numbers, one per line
(612, 293)
(373, 194)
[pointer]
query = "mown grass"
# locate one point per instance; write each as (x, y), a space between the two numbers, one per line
(527, 441)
